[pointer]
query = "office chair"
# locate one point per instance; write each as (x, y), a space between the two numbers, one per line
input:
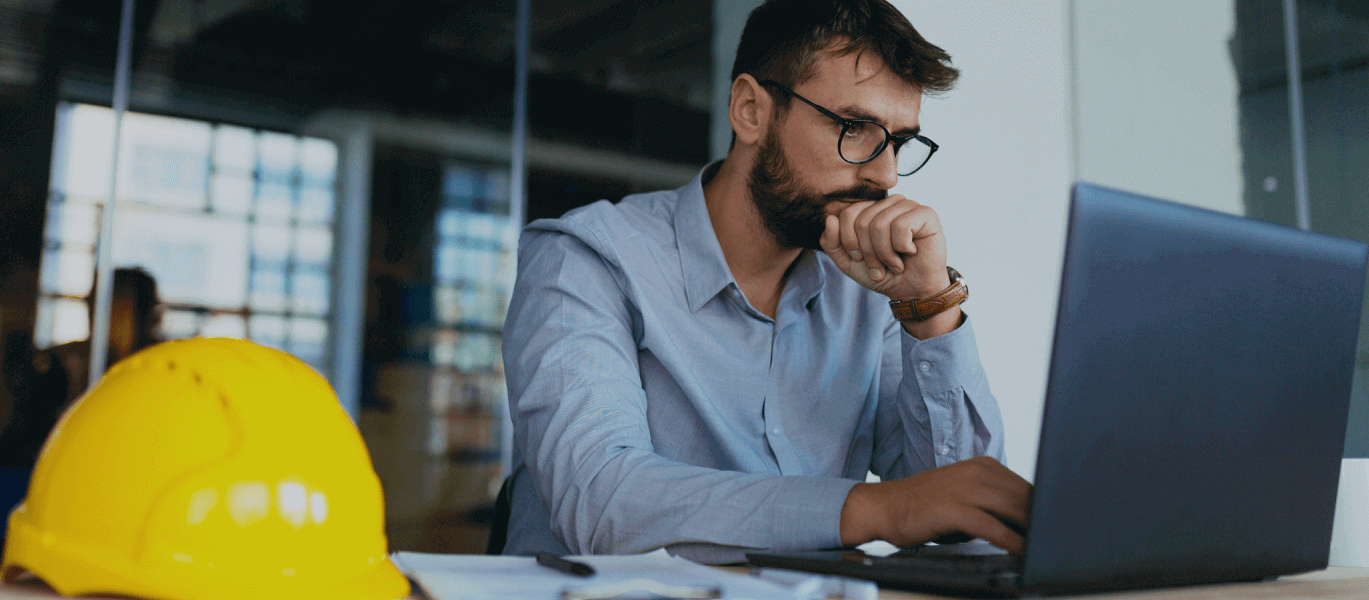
(499, 527)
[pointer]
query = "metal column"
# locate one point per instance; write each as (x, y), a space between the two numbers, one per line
(1295, 116)
(104, 284)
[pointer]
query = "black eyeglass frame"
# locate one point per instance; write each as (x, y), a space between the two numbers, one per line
(847, 124)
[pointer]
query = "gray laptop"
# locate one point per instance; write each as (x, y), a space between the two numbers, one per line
(1195, 412)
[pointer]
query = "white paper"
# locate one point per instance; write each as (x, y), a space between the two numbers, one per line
(477, 577)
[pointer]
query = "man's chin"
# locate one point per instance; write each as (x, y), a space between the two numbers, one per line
(808, 240)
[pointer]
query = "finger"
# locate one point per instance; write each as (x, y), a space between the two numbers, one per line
(849, 240)
(1004, 493)
(865, 236)
(1007, 481)
(831, 243)
(903, 232)
(986, 526)
(1012, 513)
(882, 235)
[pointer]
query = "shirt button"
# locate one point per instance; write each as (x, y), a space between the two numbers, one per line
(776, 431)
(944, 450)
(925, 366)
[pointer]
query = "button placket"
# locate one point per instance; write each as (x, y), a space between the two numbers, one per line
(774, 424)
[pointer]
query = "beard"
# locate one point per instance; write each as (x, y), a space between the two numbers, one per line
(793, 213)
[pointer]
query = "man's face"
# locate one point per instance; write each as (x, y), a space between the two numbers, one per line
(795, 213)
(798, 177)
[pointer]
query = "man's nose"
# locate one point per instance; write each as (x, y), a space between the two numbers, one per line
(882, 170)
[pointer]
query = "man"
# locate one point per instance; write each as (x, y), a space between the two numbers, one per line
(715, 368)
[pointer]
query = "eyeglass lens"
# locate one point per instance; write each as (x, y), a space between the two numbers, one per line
(862, 140)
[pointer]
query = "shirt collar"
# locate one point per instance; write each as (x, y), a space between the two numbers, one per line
(807, 278)
(701, 256)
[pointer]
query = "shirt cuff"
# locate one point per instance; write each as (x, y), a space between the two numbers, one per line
(942, 363)
(808, 514)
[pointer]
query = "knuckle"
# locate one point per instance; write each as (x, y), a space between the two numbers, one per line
(885, 218)
(907, 218)
(864, 219)
(979, 466)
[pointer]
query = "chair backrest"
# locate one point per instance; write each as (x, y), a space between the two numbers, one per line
(499, 528)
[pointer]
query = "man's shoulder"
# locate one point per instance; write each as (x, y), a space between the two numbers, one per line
(610, 228)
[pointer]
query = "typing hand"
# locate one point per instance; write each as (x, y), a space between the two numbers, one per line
(893, 246)
(978, 497)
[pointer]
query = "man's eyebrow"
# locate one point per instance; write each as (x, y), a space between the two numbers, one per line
(859, 114)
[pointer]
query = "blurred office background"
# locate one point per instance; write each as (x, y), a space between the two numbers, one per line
(335, 179)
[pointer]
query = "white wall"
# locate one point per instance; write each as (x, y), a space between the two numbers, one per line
(1156, 106)
(729, 17)
(1000, 183)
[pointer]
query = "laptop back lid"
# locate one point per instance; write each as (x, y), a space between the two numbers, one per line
(1196, 406)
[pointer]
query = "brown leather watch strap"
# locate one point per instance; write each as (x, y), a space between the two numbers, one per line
(921, 309)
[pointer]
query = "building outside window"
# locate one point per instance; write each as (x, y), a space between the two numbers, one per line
(235, 224)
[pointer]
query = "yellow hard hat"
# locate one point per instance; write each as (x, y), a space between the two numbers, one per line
(206, 469)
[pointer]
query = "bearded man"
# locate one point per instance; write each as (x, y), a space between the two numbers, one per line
(715, 369)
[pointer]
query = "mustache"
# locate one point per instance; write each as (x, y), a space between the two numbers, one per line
(860, 192)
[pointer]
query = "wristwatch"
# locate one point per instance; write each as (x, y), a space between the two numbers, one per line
(921, 309)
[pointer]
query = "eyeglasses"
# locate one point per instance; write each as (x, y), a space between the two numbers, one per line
(862, 140)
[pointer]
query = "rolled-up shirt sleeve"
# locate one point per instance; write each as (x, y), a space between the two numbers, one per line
(935, 406)
(580, 422)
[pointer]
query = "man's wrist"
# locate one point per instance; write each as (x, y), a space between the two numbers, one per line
(925, 307)
(940, 324)
(856, 515)
(928, 286)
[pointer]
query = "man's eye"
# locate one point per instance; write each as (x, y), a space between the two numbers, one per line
(857, 129)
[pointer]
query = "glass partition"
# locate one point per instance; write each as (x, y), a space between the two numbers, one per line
(1332, 40)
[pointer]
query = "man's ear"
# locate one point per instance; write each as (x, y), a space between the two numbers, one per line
(750, 109)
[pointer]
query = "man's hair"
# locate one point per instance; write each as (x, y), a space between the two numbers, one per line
(782, 37)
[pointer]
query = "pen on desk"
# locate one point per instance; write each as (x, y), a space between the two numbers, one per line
(548, 559)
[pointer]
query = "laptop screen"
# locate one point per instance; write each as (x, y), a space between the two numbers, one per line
(1197, 397)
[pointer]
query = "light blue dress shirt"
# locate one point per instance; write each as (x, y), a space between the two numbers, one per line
(653, 406)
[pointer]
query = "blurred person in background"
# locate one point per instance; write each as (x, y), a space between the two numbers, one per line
(134, 315)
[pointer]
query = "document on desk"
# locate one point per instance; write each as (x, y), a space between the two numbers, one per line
(477, 577)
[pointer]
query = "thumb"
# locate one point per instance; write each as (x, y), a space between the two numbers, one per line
(831, 243)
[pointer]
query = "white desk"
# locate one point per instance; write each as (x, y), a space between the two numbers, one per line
(1335, 583)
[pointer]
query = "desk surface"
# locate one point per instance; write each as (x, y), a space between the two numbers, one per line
(1332, 584)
